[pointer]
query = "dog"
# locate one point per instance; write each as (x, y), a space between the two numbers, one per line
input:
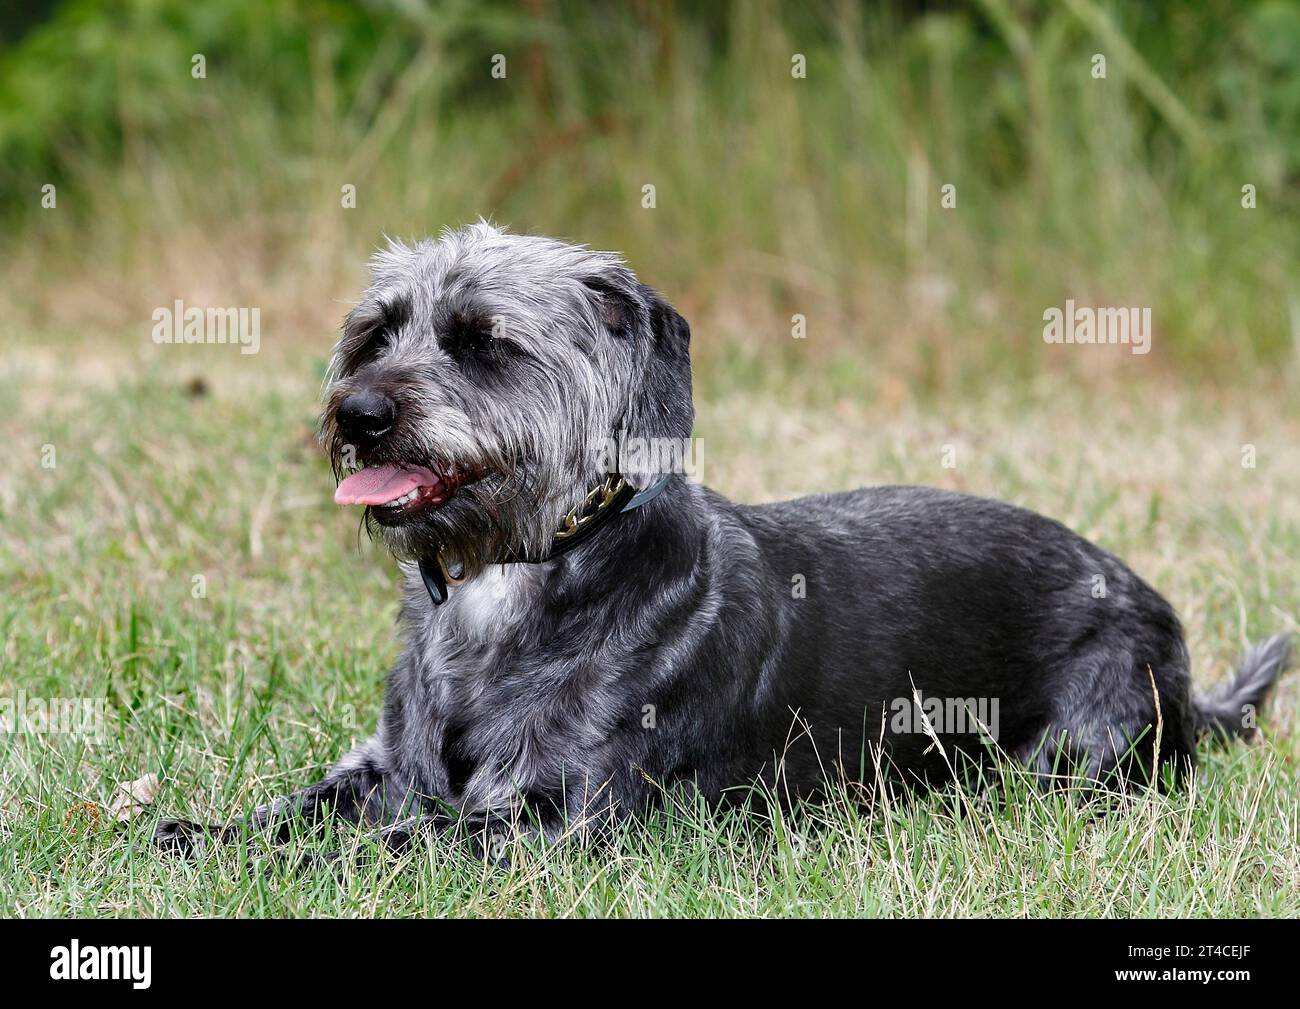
(580, 642)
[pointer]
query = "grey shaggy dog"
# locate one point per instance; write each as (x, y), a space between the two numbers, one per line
(688, 643)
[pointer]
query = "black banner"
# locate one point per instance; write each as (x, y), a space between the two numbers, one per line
(333, 957)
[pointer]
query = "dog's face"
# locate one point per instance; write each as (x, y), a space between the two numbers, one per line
(477, 386)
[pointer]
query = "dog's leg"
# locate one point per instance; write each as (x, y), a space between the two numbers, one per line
(357, 789)
(397, 838)
(485, 837)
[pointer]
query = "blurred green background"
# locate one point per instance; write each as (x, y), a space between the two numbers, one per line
(774, 195)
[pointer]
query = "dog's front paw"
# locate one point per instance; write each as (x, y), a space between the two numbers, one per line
(184, 837)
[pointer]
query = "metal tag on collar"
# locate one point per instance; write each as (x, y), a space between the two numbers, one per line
(434, 582)
(437, 578)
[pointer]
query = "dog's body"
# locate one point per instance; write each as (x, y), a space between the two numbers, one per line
(692, 642)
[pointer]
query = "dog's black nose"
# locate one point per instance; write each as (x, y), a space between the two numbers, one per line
(366, 416)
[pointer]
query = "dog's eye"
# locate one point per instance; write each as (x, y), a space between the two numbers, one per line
(369, 331)
(467, 339)
(378, 342)
(369, 348)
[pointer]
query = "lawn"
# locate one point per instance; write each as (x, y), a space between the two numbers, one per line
(182, 559)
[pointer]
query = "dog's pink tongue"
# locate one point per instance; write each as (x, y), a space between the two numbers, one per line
(378, 485)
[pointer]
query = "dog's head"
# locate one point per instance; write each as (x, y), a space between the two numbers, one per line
(478, 385)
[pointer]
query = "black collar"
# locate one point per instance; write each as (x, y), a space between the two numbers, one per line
(611, 498)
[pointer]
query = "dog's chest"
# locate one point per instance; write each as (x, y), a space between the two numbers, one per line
(510, 721)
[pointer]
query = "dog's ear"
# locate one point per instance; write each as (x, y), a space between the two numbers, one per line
(660, 404)
(616, 302)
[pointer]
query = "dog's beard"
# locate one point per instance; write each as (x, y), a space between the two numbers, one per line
(485, 523)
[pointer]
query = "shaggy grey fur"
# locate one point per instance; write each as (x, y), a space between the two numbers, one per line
(695, 643)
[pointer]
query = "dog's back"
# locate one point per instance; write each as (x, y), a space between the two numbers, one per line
(888, 593)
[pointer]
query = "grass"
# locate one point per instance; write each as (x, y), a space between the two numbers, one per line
(255, 688)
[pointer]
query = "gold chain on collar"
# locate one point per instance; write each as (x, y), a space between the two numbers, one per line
(596, 501)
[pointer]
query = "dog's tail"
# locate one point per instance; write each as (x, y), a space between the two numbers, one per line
(1228, 711)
